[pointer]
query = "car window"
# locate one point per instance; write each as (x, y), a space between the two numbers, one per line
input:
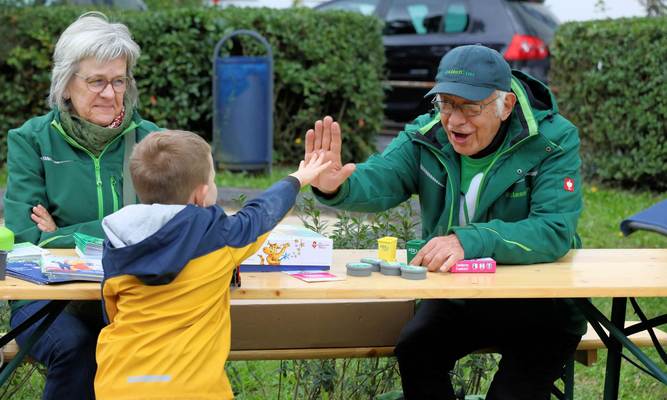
(425, 16)
(536, 19)
(366, 7)
(456, 18)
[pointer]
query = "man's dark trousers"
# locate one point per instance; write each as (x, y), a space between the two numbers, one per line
(528, 333)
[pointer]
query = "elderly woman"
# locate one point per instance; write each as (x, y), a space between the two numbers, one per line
(67, 170)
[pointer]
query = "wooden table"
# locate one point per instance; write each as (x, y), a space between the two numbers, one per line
(581, 274)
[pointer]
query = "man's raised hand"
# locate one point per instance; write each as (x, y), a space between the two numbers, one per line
(326, 138)
(310, 169)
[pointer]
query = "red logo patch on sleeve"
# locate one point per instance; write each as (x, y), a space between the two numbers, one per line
(569, 184)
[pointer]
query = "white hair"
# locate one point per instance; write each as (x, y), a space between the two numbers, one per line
(91, 35)
(500, 102)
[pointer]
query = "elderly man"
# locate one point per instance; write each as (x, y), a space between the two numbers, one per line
(496, 168)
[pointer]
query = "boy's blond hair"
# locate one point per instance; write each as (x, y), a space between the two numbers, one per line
(167, 166)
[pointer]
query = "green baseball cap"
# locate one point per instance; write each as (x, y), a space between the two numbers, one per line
(472, 72)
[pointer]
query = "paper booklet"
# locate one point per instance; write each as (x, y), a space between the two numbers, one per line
(26, 252)
(31, 271)
(315, 276)
(34, 264)
(88, 246)
(73, 268)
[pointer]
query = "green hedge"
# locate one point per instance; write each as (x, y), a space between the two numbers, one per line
(324, 64)
(612, 83)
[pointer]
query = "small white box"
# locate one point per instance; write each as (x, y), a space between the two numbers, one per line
(291, 248)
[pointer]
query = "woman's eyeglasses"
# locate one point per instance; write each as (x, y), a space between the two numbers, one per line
(97, 84)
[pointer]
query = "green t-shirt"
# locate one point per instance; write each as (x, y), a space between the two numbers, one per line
(472, 172)
(471, 167)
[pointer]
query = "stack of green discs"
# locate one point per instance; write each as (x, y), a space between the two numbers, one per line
(375, 262)
(359, 269)
(391, 268)
(413, 272)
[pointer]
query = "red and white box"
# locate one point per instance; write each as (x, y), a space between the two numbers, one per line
(476, 265)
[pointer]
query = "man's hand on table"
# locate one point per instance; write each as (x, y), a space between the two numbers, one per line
(440, 253)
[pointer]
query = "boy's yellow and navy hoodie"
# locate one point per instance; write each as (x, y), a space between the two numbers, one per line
(166, 294)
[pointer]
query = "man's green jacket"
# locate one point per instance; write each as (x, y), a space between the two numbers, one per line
(529, 200)
(46, 166)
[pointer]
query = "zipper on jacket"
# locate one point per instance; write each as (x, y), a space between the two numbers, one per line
(114, 194)
(98, 184)
(451, 188)
(96, 160)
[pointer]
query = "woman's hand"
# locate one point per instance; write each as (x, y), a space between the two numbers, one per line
(43, 219)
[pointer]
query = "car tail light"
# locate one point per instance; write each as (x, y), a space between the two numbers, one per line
(526, 47)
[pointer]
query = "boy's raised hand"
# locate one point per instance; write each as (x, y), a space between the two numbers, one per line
(326, 138)
(312, 168)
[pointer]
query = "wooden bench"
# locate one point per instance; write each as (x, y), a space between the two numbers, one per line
(590, 343)
(586, 353)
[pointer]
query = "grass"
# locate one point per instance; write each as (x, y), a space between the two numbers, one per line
(249, 180)
(604, 209)
(598, 227)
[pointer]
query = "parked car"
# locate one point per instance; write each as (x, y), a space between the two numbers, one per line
(417, 33)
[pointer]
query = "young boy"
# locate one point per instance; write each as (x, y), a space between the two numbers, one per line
(168, 264)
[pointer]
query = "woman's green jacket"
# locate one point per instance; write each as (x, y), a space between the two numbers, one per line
(46, 166)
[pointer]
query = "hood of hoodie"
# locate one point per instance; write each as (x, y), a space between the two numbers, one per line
(535, 102)
(134, 223)
(539, 95)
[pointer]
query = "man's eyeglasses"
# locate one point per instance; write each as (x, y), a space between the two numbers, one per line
(446, 107)
(97, 84)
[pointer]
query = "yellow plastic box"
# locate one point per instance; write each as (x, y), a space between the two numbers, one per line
(387, 248)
